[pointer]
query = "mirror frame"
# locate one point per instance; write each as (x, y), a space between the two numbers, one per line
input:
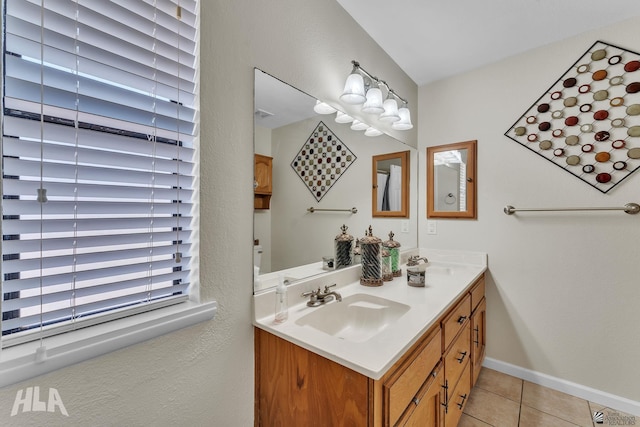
(471, 212)
(404, 157)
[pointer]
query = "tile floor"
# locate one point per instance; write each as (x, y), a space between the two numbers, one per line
(501, 400)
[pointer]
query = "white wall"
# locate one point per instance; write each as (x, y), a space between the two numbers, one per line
(563, 288)
(203, 375)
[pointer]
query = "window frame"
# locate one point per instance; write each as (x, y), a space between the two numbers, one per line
(25, 360)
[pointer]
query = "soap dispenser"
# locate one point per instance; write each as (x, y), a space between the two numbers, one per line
(282, 307)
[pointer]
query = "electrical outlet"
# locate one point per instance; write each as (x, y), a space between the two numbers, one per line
(432, 227)
(404, 226)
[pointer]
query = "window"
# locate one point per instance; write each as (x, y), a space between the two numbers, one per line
(98, 149)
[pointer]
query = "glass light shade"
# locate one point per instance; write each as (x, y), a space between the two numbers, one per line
(353, 92)
(343, 118)
(358, 125)
(323, 108)
(390, 111)
(372, 132)
(405, 120)
(373, 104)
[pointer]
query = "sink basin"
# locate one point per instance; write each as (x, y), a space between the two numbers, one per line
(357, 318)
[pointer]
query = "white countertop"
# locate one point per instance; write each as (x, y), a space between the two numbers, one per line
(449, 274)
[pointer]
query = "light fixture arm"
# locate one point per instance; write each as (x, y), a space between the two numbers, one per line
(356, 66)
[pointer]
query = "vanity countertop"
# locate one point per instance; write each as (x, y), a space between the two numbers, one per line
(449, 275)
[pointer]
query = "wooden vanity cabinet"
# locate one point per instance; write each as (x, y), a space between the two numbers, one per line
(262, 175)
(428, 386)
(478, 328)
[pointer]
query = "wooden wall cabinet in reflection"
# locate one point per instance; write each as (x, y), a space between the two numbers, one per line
(262, 184)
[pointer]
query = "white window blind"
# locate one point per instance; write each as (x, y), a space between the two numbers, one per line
(98, 133)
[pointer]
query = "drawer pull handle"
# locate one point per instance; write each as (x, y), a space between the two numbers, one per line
(415, 400)
(461, 319)
(477, 340)
(463, 354)
(461, 404)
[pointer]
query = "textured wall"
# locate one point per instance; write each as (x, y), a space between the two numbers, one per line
(203, 375)
(563, 292)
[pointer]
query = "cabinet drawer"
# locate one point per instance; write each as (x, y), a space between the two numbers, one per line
(458, 399)
(458, 355)
(477, 293)
(455, 320)
(403, 386)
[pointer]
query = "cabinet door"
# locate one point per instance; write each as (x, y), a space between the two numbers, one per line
(262, 174)
(478, 338)
(404, 385)
(429, 403)
(458, 398)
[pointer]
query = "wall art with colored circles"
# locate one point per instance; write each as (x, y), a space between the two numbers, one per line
(588, 121)
(322, 160)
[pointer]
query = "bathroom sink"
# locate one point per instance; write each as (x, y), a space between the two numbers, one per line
(356, 318)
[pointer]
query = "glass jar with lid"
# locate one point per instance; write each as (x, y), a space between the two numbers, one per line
(371, 252)
(394, 250)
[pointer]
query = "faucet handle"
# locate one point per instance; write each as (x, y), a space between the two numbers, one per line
(326, 287)
(311, 293)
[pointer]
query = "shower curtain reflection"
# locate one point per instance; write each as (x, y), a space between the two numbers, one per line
(390, 194)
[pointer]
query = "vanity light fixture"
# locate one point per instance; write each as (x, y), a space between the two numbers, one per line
(405, 119)
(371, 131)
(358, 125)
(343, 117)
(373, 104)
(390, 113)
(353, 92)
(323, 108)
(363, 88)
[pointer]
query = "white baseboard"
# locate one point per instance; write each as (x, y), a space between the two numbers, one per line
(609, 400)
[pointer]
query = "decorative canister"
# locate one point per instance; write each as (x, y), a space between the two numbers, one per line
(343, 248)
(371, 248)
(357, 254)
(394, 249)
(387, 274)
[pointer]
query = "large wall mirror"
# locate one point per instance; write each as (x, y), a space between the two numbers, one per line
(451, 181)
(390, 185)
(288, 237)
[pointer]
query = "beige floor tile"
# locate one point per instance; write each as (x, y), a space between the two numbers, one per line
(530, 417)
(561, 405)
(613, 417)
(469, 421)
(500, 384)
(492, 409)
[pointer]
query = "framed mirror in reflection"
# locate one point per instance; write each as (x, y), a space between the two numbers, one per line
(288, 238)
(390, 185)
(451, 180)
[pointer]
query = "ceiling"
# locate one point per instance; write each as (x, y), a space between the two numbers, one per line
(434, 39)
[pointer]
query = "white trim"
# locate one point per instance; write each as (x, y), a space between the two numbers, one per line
(24, 361)
(578, 390)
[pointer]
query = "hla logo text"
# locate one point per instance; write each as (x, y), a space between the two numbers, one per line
(31, 401)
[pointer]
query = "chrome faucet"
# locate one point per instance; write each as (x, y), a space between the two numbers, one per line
(414, 260)
(319, 297)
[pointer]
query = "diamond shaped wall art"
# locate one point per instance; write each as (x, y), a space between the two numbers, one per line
(588, 122)
(322, 160)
